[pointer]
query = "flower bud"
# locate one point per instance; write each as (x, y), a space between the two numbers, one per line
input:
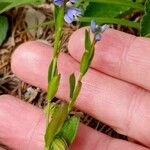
(59, 144)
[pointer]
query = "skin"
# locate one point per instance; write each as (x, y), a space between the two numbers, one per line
(115, 91)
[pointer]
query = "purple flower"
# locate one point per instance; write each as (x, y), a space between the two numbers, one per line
(93, 26)
(72, 14)
(96, 29)
(59, 2)
(73, 1)
(98, 37)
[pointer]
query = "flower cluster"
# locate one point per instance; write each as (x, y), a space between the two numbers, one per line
(97, 30)
(72, 13)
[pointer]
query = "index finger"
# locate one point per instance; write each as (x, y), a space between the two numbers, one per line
(118, 54)
(23, 125)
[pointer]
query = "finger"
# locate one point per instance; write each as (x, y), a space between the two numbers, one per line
(89, 139)
(22, 128)
(118, 54)
(117, 103)
(21, 125)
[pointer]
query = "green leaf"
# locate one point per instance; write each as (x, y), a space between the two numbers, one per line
(53, 87)
(56, 124)
(112, 9)
(52, 70)
(72, 81)
(145, 24)
(3, 28)
(52, 109)
(105, 10)
(75, 95)
(84, 65)
(88, 54)
(118, 21)
(87, 41)
(128, 3)
(5, 5)
(77, 91)
(69, 129)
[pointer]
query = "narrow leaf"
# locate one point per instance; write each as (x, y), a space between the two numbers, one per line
(75, 95)
(77, 91)
(3, 5)
(53, 87)
(118, 21)
(86, 58)
(72, 82)
(104, 10)
(84, 65)
(56, 124)
(3, 28)
(69, 129)
(128, 3)
(16, 3)
(87, 40)
(52, 70)
(91, 55)
(53, 108)
(145, 24)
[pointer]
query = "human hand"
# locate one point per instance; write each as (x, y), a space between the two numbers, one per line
(115, 91)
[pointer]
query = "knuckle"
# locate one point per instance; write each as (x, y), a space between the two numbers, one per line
(133, 107)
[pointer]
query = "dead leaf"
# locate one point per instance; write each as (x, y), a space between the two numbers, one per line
(33, 18)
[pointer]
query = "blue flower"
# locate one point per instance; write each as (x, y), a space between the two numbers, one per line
(93, 26)
(96, 29)
(98, 37)
(72, 14)
(58, 2)
(73, 1)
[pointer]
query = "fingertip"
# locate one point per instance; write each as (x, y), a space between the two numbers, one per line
(27, 58)
(76, 41)
(26, 51)
(6, 100)
(20, 123)
(4, 96)
(108, 51)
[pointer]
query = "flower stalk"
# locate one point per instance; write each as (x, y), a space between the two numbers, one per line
(62, 128)
(53, 70)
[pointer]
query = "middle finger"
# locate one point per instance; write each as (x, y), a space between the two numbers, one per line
(117, 103)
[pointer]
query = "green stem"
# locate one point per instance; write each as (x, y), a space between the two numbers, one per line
(59, 25)
(112, 21)
(58, 28)
(79, 84)
(48, 114)
(120, 2)
(75, 94)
